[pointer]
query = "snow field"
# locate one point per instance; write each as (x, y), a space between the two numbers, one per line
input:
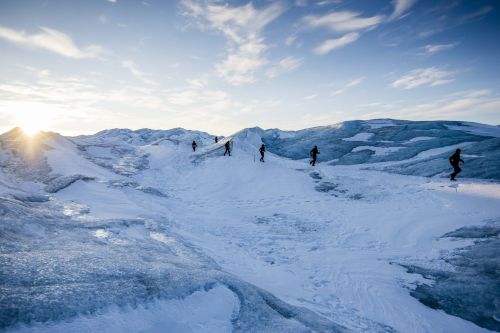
(158, 236)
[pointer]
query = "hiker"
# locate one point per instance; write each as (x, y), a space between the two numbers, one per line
(262, 150)
(314, 154)
(216, 139)
(454, 161)
(227, 145)
(194, 145)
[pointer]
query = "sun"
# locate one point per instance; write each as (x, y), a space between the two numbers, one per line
(32, 119)
(30, 129)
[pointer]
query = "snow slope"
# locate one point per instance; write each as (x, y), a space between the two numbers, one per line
(130, 231)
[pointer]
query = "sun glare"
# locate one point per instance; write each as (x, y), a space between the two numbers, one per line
(30, 130)
(32, 122)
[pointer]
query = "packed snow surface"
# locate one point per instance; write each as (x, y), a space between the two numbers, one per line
(359, 137)
(131, 231)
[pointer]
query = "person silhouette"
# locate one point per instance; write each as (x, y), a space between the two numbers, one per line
(216, 139)
(227, 145)
(262, 150)
(194, 145)
(314, 154)
(454, 161)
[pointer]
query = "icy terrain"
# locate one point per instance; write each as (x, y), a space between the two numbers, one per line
(131, 231)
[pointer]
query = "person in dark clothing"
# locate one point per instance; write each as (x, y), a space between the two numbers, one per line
(314, 154)
(216, 139)
(227, 145)
(262, 150)
(454, 161)
(194, 145)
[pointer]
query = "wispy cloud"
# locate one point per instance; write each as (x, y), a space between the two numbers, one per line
(52, 40)
(243, 27)
(436, 48)
(349, 85)
(286, 64)
(334, 43)
(327, 2)
(137, 73)
(290, 40)
(348, 22)
(441, 20)
(465, 105)
(431, 76)
(343, 21)
(401, 7)
(103, 19)
(310, 97)
(476, 15)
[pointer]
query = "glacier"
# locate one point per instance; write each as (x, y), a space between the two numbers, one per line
(130, 231)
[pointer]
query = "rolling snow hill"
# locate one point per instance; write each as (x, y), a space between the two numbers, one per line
(131, 231)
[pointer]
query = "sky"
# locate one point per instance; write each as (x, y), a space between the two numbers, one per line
(78, 67)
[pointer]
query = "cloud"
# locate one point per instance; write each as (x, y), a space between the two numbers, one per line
(465, 105)
(286, 64)
(112, 1)
(327, 2)
(137, 73)
(198, 82)
(243, 27)
(477, 14)
(310, 97)
(290, 40)
(242, 64)
(82, 105)
(335, 43)
(103, 19)
(431, 76)
(435, 48)
(349, 84)
(52, 40)
(343, 21)
(400, 8)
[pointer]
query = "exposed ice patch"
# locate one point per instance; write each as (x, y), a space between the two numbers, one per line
(471, 290)
(59, 183)
(477, 129)
(31, 197)
(202, 311)
(375, 124)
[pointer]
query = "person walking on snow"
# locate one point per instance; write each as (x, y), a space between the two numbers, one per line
(314, 154)
(262, 150)
(216, 139)
(227, 145)
(454, 161)
(194, 145)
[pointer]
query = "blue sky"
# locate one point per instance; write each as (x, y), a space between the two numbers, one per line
(83, 66)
